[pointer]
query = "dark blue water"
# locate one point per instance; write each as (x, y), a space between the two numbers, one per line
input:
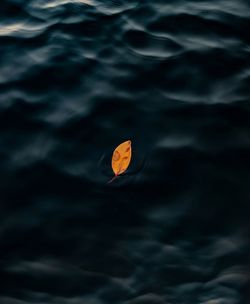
(79, 77)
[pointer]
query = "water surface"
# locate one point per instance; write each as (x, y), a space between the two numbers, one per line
(76, 79)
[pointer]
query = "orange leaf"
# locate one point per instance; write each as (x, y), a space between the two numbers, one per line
(121, 158)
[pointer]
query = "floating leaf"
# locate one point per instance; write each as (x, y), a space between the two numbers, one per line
(121, 158)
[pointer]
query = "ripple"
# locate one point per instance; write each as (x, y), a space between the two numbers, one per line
(25, 29)
(150, 45)
(112, 7)
(44, 4)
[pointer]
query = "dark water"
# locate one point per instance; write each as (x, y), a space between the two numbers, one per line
(79, 77)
